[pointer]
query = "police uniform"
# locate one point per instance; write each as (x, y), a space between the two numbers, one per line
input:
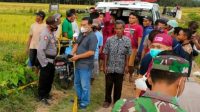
(152, 101)
(46, 54)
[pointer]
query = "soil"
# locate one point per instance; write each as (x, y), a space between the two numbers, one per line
(127, 92)
(57, 96)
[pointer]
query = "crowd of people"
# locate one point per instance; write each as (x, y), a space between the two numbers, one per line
(161, 52)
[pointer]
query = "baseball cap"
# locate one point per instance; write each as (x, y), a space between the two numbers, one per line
(57, 16)
(172, 23)
(41, 14)
(173, 64)
(148, 18)
(69, 14)
(51, 21)
(163, 39)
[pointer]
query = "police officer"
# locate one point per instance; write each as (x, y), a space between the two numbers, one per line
(46, 53)
(168, 76)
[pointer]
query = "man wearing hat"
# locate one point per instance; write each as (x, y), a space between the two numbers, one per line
(33, 41)
(171, 24)
(147, 26)
(58, 33)
(168, 77)
(161, 42)
(46, 54)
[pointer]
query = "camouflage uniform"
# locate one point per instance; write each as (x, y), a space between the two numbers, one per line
(153, 101)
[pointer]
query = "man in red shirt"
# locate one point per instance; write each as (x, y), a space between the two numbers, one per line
(135, 32)
(107, 30)
(109, 25)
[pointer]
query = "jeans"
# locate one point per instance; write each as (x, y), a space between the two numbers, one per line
(82, 85)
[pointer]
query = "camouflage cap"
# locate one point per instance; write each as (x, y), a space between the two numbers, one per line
(172, 64)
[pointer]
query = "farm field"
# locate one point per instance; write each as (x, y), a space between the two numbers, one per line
(15, 21)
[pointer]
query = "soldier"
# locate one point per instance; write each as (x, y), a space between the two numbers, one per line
(46, 53)
(168, 76)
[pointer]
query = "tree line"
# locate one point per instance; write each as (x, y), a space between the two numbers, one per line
(187, 3)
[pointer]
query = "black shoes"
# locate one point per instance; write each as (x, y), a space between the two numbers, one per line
(45, 101)
(106, 105)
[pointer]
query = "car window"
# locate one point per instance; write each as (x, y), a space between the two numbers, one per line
(145, 13)
(138, 12)
(158, 14)
(126, 12)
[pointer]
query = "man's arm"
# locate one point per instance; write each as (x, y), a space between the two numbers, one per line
(28, 44)
(100, 49)
(105, 63)
(41, 51)
(65, 29)
(29, 39)
(129, 49)
(126, 64)
(140, 35)
(106, 51)
(75, 47)
(85, 55)
(196, 42)
(64, 34)
(101, 43)
(139, 41)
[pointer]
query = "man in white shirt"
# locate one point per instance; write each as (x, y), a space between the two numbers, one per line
(33, 40)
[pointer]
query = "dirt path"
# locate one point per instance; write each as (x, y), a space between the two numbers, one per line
(57, 96)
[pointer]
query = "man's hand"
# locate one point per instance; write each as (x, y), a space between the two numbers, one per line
(75, 58)
(194, 40)
(126, 70)
(105, 70)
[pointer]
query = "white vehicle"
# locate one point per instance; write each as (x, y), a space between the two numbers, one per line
(122, 9)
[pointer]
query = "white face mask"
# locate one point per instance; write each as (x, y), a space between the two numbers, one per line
(141, 83)
(84, 30)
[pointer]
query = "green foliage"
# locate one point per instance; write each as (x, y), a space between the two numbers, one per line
(19, 102)
(194, 17)
(182, 3)
(13, 78)
(13, 71)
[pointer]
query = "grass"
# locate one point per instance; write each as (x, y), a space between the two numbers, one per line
(97, 98)
(24, 101)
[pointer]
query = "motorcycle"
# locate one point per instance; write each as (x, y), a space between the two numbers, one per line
(65, 70)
